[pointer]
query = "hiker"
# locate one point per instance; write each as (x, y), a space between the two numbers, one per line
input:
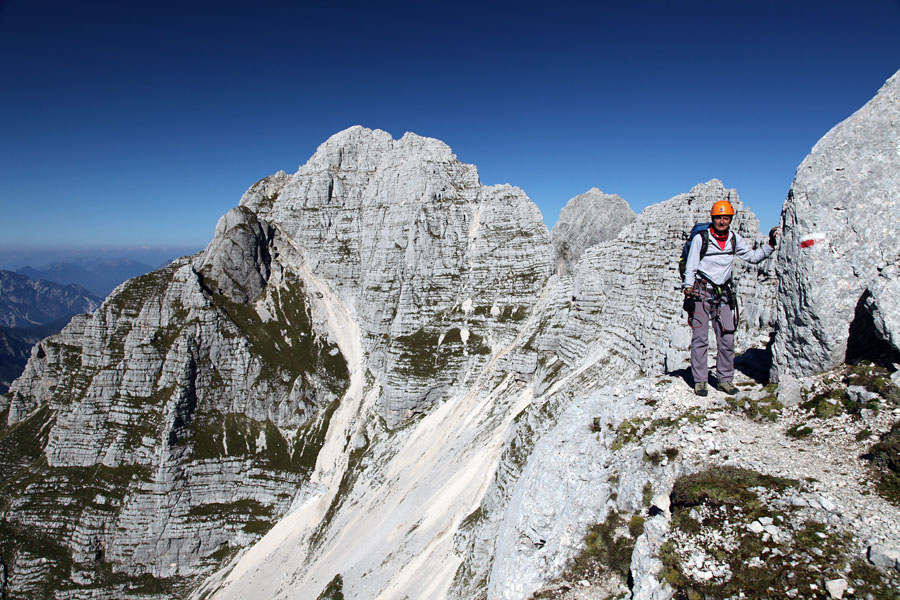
(709, 295)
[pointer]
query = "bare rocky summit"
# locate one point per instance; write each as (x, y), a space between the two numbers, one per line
(587, 219)
(373, 372)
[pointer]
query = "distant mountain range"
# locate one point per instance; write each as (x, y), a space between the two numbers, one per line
(98, 275)
(31, 310)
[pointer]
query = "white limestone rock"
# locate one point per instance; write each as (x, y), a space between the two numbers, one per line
(587, 219)
(407, 235)
(155, 405)
(789, 391)
(884, 557)
(238, 260)
(841, 224)
(442, 288)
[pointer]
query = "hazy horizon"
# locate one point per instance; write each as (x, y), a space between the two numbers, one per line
(14, 258)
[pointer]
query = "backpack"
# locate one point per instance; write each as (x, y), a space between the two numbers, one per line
(703, 230)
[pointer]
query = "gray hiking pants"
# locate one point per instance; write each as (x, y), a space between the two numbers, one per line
(707, 307)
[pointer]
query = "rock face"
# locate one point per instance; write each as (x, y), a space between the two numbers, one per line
(195, 401)
(587, 219)
(437, 268)
(157, 435)
(838, 277)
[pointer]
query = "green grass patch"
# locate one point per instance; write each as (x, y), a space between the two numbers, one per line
(334, 590)
(790, 558)
(885, 458)
(633, 430)
(647, 494)
(18, 540)
(225, 510)
(286, 345)
(420, 354)
(725, 486)
(217, 435)
(799, 431)
(767, 407)
(874, 378)
(606, 555)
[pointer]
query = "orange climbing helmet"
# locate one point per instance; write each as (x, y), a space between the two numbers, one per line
(722, 207)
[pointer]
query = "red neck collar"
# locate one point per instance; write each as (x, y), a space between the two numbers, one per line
(720, 238)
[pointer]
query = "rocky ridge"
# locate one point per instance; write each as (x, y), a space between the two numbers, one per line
(425, 257)
(630, 447)
(505, 407)
(165, 430)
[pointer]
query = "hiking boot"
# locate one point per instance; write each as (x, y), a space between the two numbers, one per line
(700, 388)
(727, 387)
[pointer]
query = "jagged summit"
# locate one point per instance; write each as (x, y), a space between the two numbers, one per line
(363, 149)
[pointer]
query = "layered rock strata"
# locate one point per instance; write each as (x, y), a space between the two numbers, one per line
(838, 276)
(374, 356)
(585, 220)
(161, 433)
(195, 401)
(437, 268)
(434, 483)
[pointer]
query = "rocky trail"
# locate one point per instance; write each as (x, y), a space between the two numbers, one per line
(835, 486)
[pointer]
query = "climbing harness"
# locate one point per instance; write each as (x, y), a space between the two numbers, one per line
(714, 296)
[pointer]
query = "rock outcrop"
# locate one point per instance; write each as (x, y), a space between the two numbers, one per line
(838, 277)
(587, 219)
(195, 401)
(154, 437)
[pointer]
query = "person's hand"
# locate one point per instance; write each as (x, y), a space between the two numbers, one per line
(773, 236)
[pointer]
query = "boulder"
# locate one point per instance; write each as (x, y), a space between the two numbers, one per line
(836, 260)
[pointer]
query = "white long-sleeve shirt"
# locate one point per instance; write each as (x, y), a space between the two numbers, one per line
(716, 264)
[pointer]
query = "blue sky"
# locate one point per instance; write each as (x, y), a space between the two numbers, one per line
(128, 123)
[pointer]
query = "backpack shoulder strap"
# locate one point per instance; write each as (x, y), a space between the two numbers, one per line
(704, 246)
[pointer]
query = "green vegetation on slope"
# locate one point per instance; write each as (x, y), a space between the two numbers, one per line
(730, 539)
(286, 345)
